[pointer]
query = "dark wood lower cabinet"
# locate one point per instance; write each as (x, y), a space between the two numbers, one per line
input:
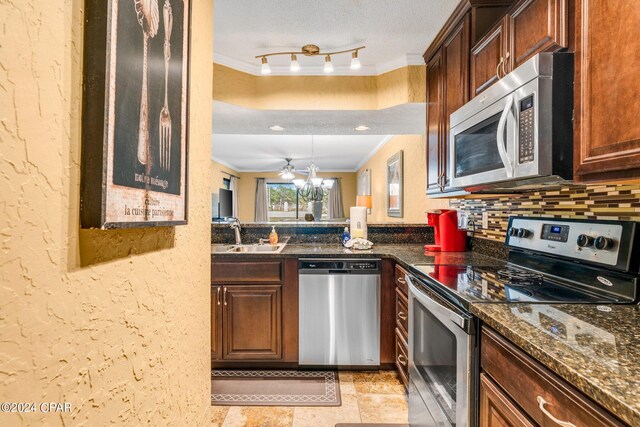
(252, 322)
(496, 409)
(254, 313)
(532, 389)
(216, 322)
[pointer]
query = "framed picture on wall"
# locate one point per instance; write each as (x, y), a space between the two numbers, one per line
(135, 102)
(395, 185)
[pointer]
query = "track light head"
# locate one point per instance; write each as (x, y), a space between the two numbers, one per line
(328, 65)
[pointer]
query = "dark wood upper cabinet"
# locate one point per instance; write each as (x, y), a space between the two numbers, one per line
(252, 322)
(434, 123)
(455, 51)
(529, 27)
(487, 59)
(607, 90)
(216, 322)
(536, 26)
(447, 90)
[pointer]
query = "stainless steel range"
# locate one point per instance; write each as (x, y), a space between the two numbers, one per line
(550, 261)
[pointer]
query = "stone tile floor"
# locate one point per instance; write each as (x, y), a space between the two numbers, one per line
(367, 397)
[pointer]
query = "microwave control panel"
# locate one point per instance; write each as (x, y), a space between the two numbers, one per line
(526, 126)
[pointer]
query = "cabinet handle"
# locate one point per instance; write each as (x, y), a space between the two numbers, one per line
(402, 315)
(498, 67)
(401, 280)
(541, 405)
(218, 297)
(403, 360)
(224, 296)
(504, 63)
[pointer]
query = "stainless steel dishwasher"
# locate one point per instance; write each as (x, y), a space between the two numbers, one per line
(339, 312)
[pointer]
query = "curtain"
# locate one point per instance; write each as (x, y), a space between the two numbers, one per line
(334, 207)
(233, 186)
(262, 201)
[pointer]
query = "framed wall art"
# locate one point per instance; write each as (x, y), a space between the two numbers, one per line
(395, 185)
(135, 113)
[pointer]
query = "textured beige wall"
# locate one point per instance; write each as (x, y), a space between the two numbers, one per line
(247, 190)
(105, 320)
(416, 203)
(401, 86)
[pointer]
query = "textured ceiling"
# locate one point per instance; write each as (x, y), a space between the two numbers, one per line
(242, 138)
(396, 32)
(404, 119)
(261, 153)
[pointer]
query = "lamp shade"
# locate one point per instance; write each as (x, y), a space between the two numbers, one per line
(364, 201)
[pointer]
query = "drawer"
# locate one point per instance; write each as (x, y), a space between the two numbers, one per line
(402, 313)
(539, 392)
(400, 281)
(249, 271)
(402, 360)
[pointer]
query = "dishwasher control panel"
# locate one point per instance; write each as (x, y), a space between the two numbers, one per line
(339, 266)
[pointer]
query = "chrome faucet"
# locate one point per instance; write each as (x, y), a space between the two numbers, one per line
(235, 225)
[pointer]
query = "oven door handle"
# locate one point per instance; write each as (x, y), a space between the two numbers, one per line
(502, 151)
(433, 304)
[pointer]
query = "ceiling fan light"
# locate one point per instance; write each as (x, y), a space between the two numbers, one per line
(295, 65)
(265, 68)
(355, 62)
(328, 65)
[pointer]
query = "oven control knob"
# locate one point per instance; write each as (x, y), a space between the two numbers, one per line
(603, 243)
(584, 241)
(524, 233)
(513, 231)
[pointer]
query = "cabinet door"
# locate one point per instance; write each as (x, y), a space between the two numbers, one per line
(252, 322)
(216, 322)
(607, 90)
(535, 26)
(487, 59)
(496, 409)
(455, 52)
(434, 122)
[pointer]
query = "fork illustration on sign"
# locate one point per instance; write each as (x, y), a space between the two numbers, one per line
(147, 14)
(165, 117)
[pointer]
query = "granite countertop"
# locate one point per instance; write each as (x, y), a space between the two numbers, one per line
(595, 348)
(405, 254)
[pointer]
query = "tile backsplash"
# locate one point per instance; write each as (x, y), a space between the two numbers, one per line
(576, 201)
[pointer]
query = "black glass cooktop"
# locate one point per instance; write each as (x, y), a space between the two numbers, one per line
(506, 283)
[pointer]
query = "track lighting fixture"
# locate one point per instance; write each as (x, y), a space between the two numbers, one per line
(312, 50)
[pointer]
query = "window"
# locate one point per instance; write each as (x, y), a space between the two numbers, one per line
(286, 203)
(226, 183)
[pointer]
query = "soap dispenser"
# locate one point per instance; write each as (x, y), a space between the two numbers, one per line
(273, 236)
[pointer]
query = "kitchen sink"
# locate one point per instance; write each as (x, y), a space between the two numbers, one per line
(256, 248)
(215, 249)
(260, 248)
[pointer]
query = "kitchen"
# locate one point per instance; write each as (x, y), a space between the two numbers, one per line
(490, 215)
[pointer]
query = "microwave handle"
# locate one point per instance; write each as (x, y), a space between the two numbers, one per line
(502, 151)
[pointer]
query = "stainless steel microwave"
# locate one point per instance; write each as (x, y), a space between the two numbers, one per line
(519, 132)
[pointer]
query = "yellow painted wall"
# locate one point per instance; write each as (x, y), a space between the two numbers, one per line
(217, 175)
(107, 321)
(401, 86)
(247, 190)
(416, 203)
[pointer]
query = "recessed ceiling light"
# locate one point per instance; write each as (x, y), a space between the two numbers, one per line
(362, 128)
(276, 128)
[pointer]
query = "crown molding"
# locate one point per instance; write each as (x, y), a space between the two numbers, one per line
(374, 151)
(368, 70)
(400, 62)
(225, 163)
